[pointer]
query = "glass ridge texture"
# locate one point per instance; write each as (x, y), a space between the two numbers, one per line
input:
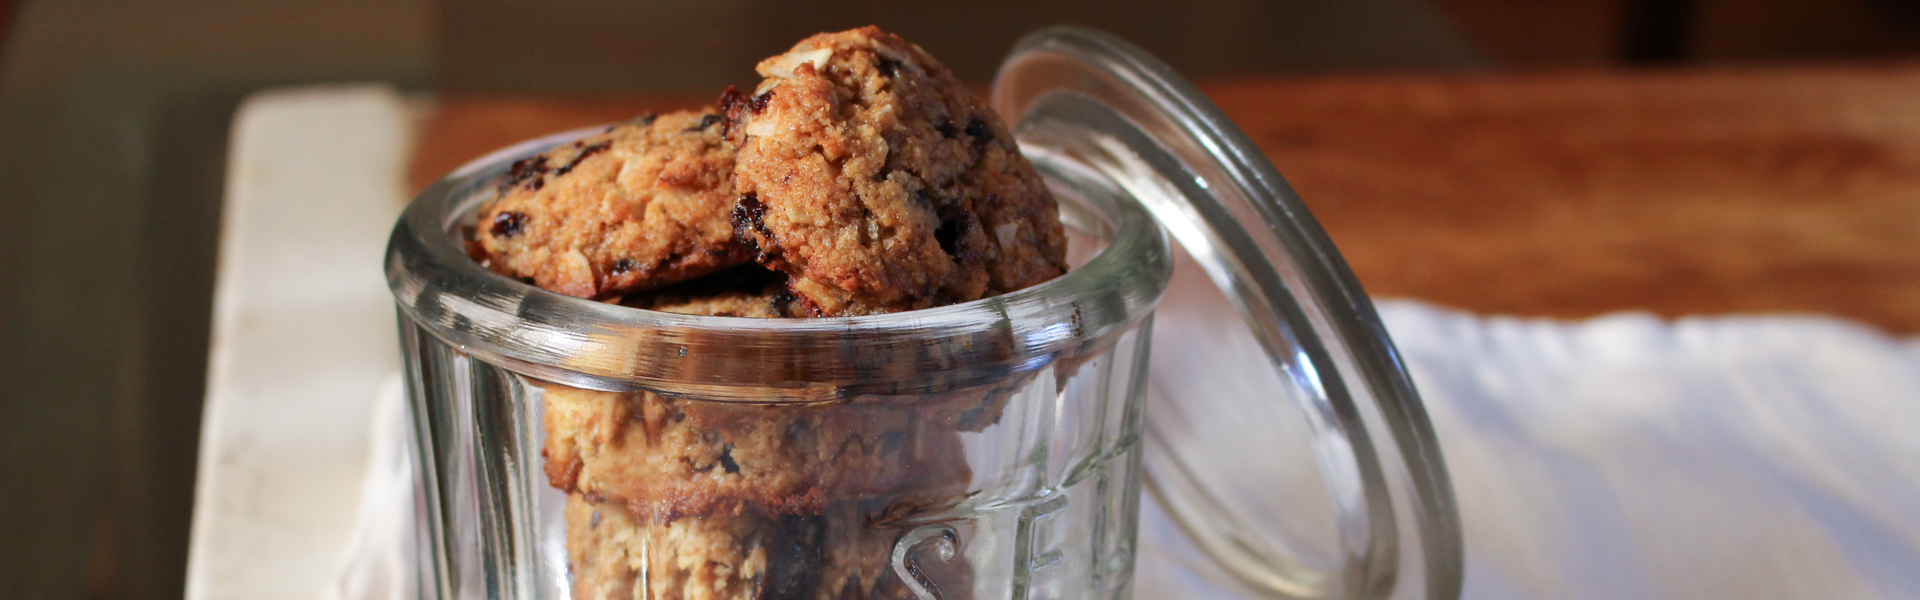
(993, 449)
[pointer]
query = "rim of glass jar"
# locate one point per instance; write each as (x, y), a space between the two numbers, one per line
(595, 345)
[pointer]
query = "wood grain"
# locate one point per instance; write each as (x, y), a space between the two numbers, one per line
(1705, 191)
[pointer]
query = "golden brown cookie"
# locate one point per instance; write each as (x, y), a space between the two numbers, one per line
(879, 183)
(774, 302)
(744, 291)
(643, 205)
(686, 457)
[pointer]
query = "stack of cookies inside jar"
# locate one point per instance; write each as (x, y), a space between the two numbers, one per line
(858, 178)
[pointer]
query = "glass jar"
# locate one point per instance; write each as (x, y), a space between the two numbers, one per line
(993, 449)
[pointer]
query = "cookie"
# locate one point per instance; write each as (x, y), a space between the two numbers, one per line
(879, 183)
(745, 291)
(773, 302)
(612, 554)
(643, 205)
(686, 457)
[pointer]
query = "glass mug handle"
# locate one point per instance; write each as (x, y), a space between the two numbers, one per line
(1081, 96)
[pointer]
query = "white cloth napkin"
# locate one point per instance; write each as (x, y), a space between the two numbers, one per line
(1627, 457)
(1620, 457)
(378, 563)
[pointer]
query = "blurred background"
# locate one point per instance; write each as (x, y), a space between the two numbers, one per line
(114, 117)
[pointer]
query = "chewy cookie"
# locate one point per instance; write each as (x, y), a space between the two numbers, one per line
(683, 457)
(643, 205)
(608, 550)
(744, 291)
(769, 303)
(879, 183)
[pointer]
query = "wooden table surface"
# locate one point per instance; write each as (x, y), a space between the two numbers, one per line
(1703, 191)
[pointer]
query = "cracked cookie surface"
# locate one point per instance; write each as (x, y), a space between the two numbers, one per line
(879, 183)
(642, 205)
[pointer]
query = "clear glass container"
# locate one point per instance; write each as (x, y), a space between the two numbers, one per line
(993, 449)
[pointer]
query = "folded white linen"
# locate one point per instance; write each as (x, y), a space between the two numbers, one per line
(1630, 457)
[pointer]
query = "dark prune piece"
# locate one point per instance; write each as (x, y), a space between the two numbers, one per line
(705, 122)
(584, 153)
(508, 224)
(526, 170)
(746, 216)
(977, 129)
(953, 225)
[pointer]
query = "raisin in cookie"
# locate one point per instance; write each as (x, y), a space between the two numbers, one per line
(644, 204)
(879, 183)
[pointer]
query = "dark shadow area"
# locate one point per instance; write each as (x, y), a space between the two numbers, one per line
(114, 116)
(614, 46)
